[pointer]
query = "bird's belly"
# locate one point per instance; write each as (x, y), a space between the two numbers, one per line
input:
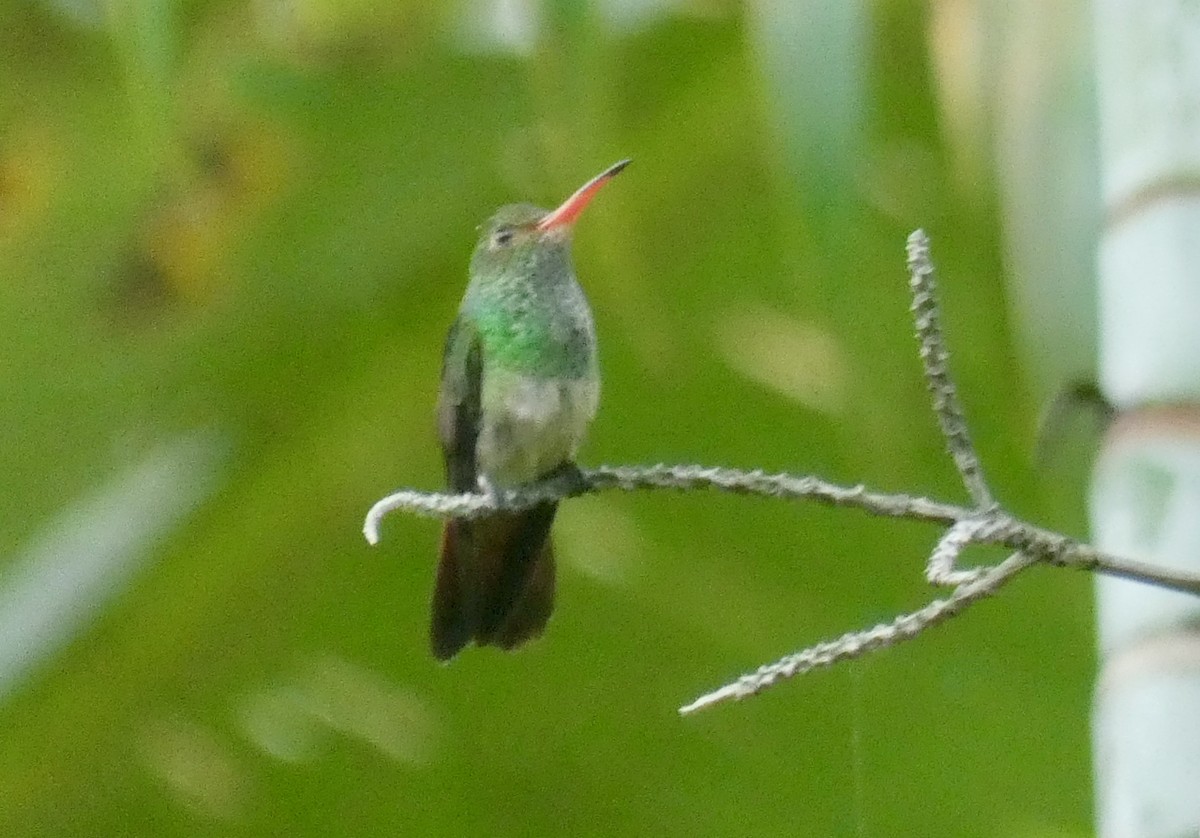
(532, 425)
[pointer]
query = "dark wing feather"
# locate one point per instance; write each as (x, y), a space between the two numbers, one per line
(452, 622)
(459, 404)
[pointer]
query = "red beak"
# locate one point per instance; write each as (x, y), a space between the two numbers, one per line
(565, 215)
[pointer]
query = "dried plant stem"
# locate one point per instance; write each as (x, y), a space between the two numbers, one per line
(935, 359)
(967, 526)
(983, 522)
(857, 643)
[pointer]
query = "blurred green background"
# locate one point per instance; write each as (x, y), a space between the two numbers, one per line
(232, 236)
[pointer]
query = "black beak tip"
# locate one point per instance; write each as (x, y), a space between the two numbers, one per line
(617, 168)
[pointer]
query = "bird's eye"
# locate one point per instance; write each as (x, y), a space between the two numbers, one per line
(502, 237)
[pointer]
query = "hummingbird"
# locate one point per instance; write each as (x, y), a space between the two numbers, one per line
(520, 385)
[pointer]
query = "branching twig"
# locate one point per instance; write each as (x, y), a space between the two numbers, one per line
(1000, 530)
(858, 643)
(942, 567)
(629, 478)
(982, 523)
(935, 359)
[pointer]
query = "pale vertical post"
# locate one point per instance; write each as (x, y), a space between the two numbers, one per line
(1145, 500)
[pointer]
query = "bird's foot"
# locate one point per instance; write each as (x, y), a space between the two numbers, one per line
(569, 477)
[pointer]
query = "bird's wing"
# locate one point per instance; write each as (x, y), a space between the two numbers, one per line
(459, 403)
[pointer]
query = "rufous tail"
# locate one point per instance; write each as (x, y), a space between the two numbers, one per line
(495, 581)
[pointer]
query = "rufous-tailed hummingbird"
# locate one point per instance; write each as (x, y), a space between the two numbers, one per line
(520, 384)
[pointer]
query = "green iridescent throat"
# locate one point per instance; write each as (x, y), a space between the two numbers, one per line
(529, 310)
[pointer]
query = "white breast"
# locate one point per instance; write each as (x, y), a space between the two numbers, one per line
(532, 425)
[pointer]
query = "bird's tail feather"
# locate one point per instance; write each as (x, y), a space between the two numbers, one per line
(495, 581)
